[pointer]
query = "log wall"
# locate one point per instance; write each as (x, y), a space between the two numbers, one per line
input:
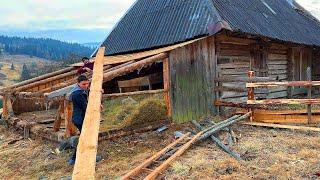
(277, 68)
(233, 61)
(192, 74)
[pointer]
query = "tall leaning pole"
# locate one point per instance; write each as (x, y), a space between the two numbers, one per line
(88, 142)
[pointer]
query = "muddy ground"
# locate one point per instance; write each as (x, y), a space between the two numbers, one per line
(269, 154)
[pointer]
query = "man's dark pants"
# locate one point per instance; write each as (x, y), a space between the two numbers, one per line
(74, 154)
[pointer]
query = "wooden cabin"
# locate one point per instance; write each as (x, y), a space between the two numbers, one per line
(198, 49)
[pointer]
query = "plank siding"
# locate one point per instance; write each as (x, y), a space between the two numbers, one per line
(192, 74)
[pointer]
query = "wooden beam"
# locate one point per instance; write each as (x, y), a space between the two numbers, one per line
(68, 69)
(300, 128)
(88, 143)
(166, 85)
(71, 130)
(134, 66)
(284, 101)
(60, 115)
(276, 84)
(166, 163)
(150, 160)
(44, 81)
(244, 79)
(7, 107)
(116, 95)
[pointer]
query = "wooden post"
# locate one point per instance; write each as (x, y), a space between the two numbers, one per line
(251, 94)
(88, 143)
(7, 107)
(166, 85)
(309, 95)
(59, 117)
(71, 130)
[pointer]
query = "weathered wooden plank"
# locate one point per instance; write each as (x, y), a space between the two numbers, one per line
(36, 79)
(281, 112)
(276, 72)
(291, 83)
(142, 81)
(88, 142)
(116, 95)
(277, 67)
(71, 130)
(233, 40)
(150, 160)
(279, 77)
(134, 66)
(234, 65)
(276, 62)
(277, 56)
(166, 85)
(279, 126)
(275, 95)
(284, 101)
(286, 118)
(244, 79)
(166, 163)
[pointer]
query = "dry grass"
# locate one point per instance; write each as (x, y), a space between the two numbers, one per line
(128, 113)
(270, 154)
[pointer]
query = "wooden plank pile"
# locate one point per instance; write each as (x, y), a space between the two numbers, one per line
(156, 164)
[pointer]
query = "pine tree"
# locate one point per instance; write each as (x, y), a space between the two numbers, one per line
(12, 67)
(25, 74)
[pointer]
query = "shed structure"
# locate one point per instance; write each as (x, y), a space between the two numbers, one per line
(199, 49)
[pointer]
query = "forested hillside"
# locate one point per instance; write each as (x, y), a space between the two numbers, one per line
(44, 48)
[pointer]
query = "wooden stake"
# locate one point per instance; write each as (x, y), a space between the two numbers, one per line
(88, 143)
(309, 95)
(251, 94)
(58, 120)
(71, 130)
(166, 85)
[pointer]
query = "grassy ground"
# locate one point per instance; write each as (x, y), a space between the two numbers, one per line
(269, 154)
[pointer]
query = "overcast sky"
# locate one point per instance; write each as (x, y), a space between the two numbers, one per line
(86, 14)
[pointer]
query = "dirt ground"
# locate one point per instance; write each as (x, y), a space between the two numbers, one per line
(269, 154)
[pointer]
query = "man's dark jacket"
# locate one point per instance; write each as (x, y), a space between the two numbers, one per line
(79, 98)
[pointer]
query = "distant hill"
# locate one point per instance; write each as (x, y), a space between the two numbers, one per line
(44, 48)
(66, 35)
(92, 45)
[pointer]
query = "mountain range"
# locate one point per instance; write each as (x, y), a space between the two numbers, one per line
(87, 37)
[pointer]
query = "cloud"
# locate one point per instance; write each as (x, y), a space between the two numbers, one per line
(57, 14)
(311, 5)
(73, 14)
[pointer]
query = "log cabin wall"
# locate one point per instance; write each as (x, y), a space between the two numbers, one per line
(21, 105)
(192, 74)
(282, 62)
(278, 62)
(233, 60)
(316, 64)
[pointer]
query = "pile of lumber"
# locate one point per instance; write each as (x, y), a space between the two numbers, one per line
(153, 166)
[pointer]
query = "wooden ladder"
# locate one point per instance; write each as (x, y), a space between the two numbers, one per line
(152, 167)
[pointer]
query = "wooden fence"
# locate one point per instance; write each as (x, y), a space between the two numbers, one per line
(270, 102)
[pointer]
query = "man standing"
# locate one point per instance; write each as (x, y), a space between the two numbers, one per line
(79, 98)
(87, 66)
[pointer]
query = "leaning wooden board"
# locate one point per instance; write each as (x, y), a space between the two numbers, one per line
(87, 148)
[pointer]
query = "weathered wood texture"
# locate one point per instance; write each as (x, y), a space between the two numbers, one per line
(71, 130)
(279, 126)
(88, 143)
(192, 80)
(166, 85)
(36, 79)
(116, 95)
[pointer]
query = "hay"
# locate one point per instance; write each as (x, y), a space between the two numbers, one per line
(129, 113)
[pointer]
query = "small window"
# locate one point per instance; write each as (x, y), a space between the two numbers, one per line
(267, 5)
